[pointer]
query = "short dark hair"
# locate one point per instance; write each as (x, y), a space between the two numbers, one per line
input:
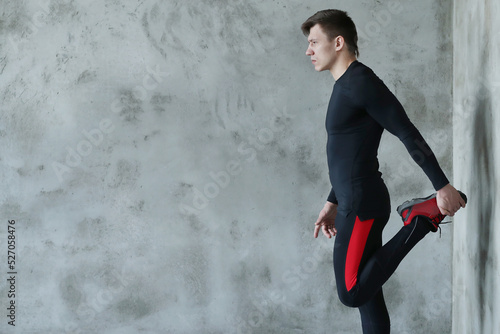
(334, 22)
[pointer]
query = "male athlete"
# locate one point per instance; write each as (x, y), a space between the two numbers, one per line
(358, 206)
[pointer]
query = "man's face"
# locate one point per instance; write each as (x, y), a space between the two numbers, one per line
(321, 50)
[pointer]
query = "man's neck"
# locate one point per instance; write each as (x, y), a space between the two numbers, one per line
(341, 65)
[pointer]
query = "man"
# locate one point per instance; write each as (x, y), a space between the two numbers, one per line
(358, 206)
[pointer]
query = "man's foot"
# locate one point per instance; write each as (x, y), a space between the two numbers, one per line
(426, 207)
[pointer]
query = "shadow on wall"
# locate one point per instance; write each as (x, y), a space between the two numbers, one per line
(484, 198)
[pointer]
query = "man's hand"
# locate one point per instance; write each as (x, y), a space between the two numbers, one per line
(326, 221)
(449, 200)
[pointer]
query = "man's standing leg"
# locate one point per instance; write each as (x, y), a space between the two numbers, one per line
(374, 316)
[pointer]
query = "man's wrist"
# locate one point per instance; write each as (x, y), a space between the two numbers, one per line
(443, 188)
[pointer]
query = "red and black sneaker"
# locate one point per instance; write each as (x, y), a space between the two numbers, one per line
(426, 207)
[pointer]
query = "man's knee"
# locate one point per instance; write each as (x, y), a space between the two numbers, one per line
(348, 298)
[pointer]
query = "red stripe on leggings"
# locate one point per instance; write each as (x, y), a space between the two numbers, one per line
(355, 250)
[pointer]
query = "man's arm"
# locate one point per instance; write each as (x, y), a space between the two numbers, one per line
(385, 108)
(332, 198)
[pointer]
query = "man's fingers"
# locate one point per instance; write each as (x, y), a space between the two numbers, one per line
(316, 230)
(320, 219)
(325, 231)
(328, 229)
(445, 211)
(450, 212)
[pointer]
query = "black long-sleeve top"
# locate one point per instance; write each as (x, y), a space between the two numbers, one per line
(361, 107)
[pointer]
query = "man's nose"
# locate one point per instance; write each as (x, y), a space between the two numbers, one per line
(309, 52)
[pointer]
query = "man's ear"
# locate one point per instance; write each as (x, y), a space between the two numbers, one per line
(339, 43)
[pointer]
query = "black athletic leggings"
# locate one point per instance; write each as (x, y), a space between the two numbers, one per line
(362, 265)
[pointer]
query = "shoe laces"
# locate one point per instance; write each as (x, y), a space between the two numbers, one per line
(441, 223)
(438, 219)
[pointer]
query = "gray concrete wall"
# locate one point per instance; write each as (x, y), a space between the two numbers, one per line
(476, 85)
(164, 162)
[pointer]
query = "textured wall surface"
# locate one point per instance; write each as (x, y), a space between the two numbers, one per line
(476, 273)
(164, 162)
